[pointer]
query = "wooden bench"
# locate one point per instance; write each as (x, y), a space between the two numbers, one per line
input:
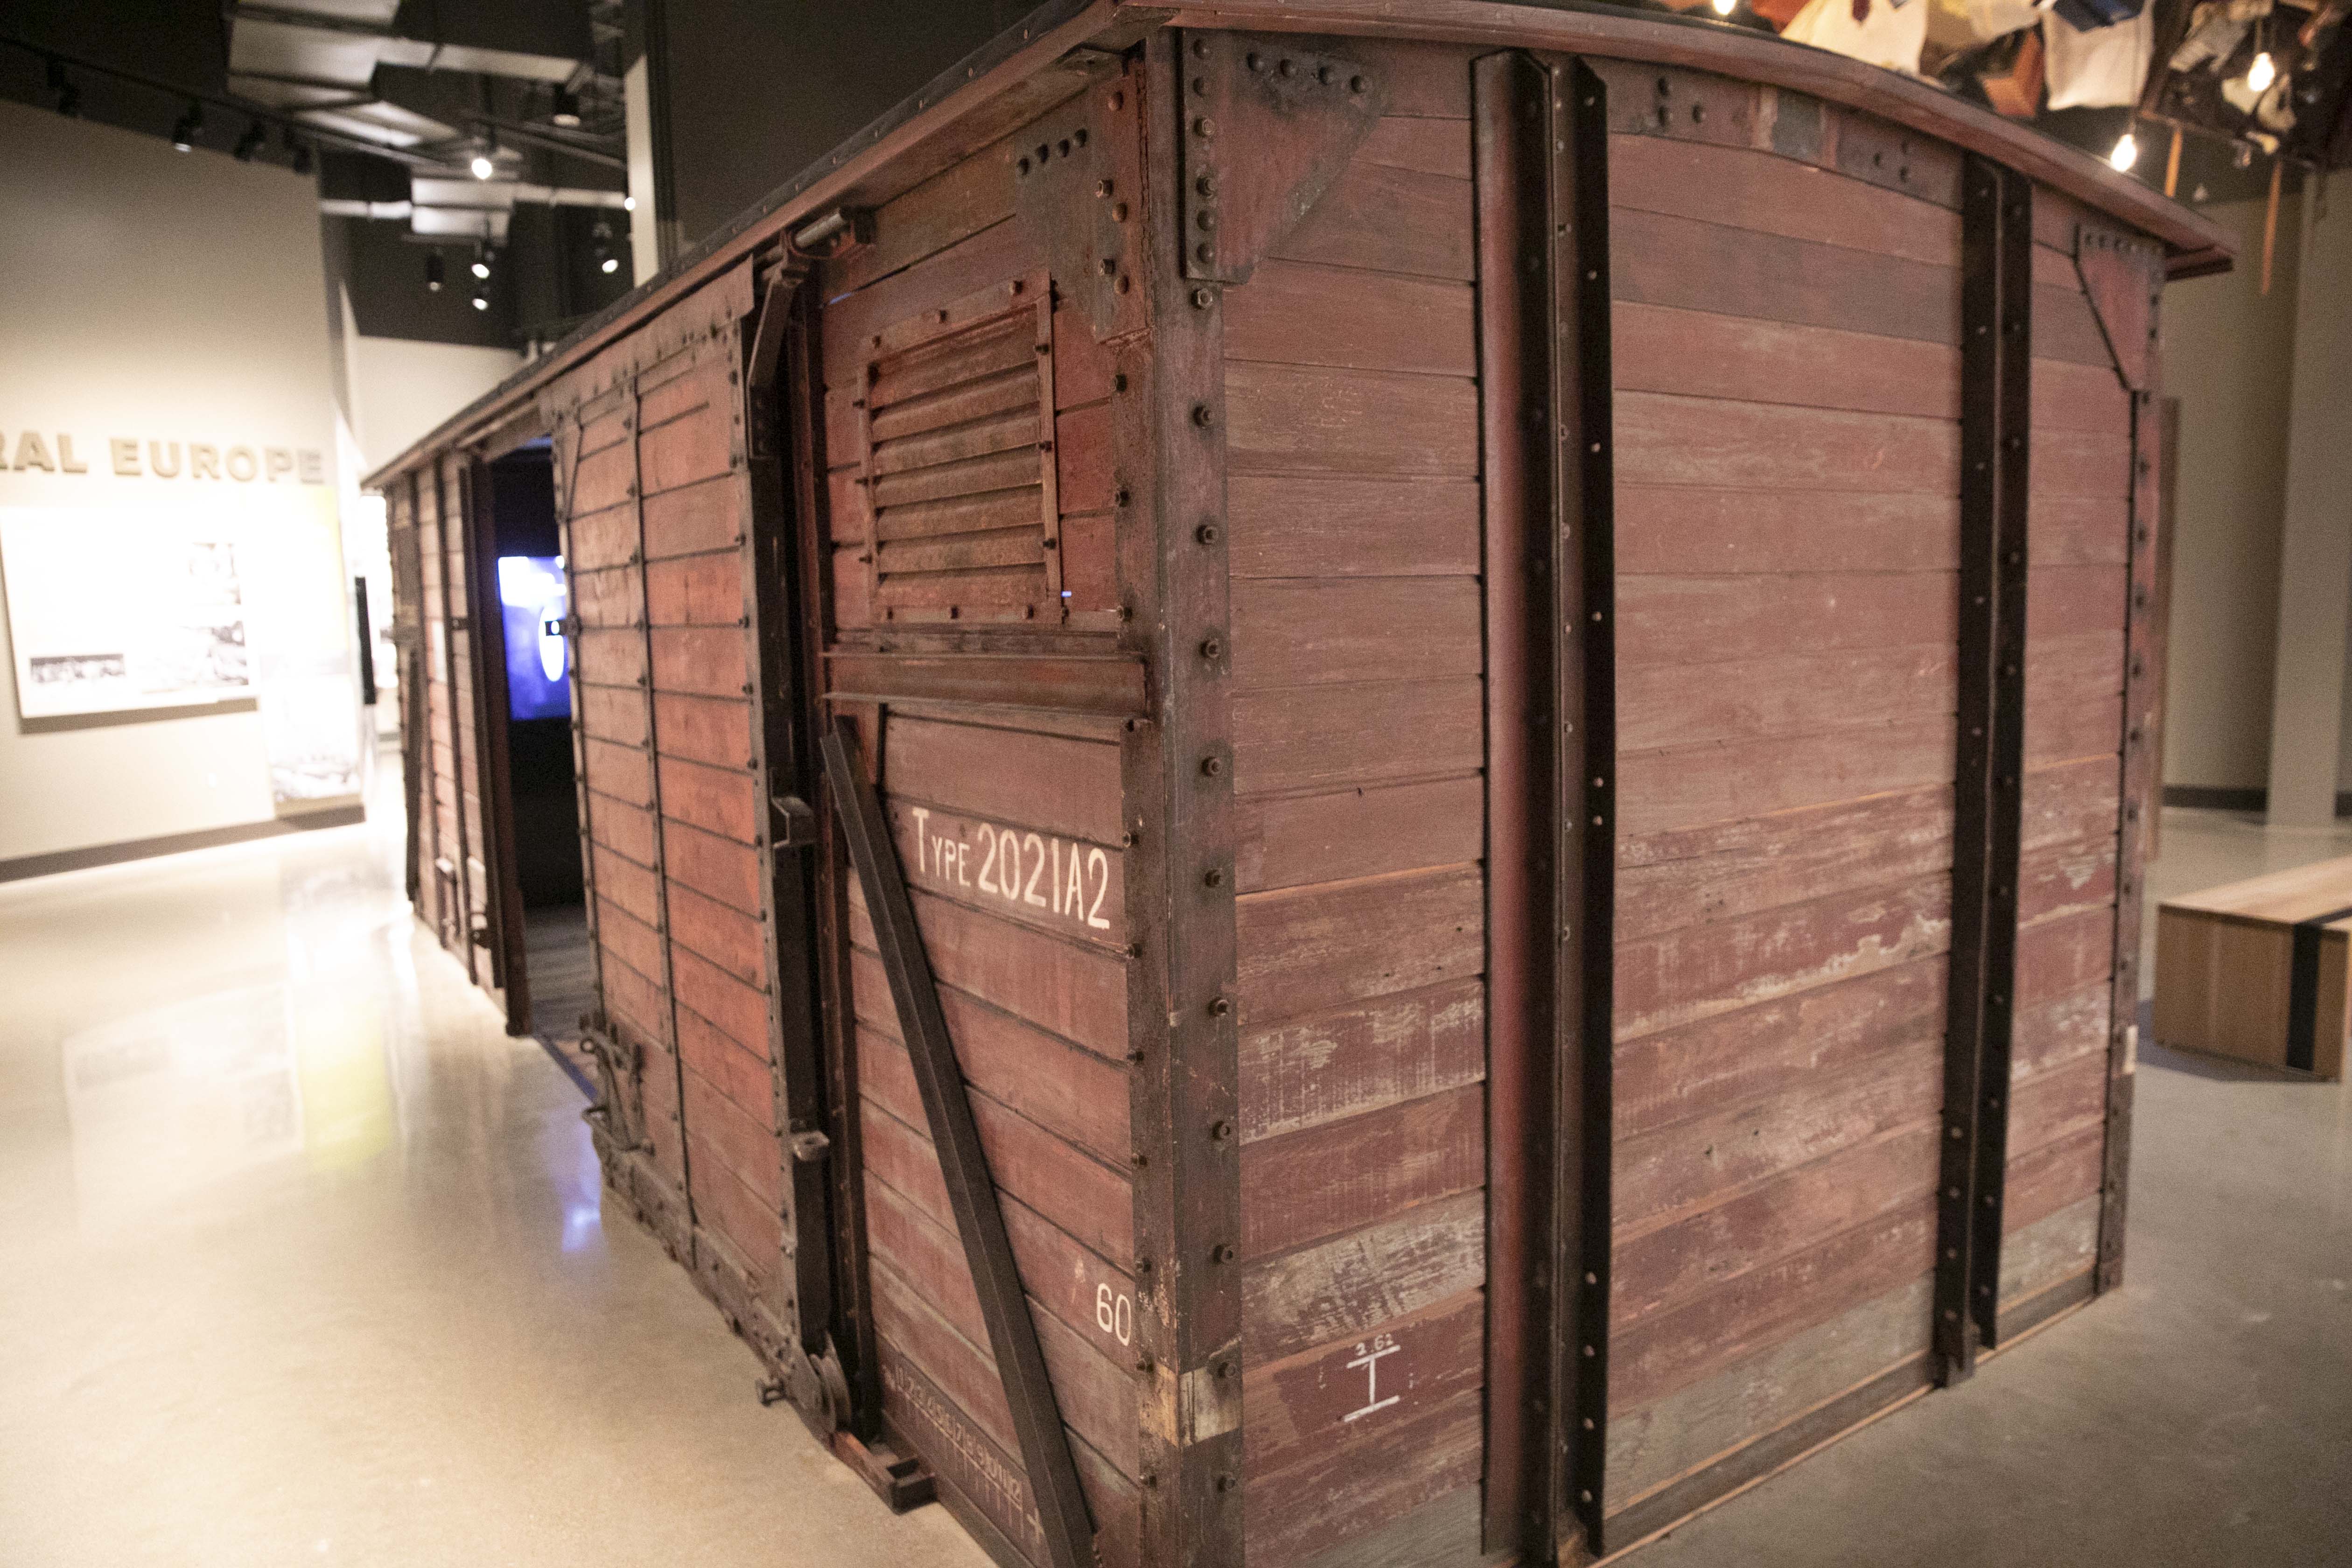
(2259, 970)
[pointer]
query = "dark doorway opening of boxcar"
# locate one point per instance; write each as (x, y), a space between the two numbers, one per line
(530, 696)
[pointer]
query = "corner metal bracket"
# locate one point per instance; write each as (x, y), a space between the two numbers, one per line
(1266, 128)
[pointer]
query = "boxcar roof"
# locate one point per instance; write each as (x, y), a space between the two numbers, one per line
(1054, 50)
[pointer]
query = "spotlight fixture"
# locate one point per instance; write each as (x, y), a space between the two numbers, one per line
(2262, 72)
(248, 146)
(609, 265)
(299, 151)
(184, 132)
(566, 110)
(629, 204)
(481, 302)
(485, 161)
(1726, 7)
(481, 267)
(68, 96)
(2126, 154)
(435, 273)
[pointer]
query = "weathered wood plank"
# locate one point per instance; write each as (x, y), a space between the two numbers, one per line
(1318, 1395)
(1332, 526)
(1328, 737)
(1369, 831)
(1296, 314)
(1680, 1348)
(1295, 633)
(1696, 971)
(1305, 1185)
(1714, 1067)
(1681, 1433)
(1754, 863)
(1014, 776)
(1354, 1283)
(1698, 530)
(1668, 791)
(1310, 1071)
(1072, 1093)
(1303, 950)
(1077, 992)
(1755, 699)
(1309, 419)
(1705, 353)
(1656, 260)
(1384, 218)
(1672, 620)
(1705, 1160)
(1764, 191)
(1659, 1269)
(1672, 440)
(1362, 1481)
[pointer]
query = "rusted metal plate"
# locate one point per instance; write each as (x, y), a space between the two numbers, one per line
(1266, 128)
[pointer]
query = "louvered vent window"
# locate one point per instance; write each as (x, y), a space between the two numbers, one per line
(960, 468)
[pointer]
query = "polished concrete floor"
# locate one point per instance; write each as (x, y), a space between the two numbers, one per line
(305, 1261)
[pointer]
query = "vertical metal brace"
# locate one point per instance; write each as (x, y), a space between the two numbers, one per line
(1045, 1456)
(1545, 272)
(1996, 395)
(782, 769)
(1584, 544)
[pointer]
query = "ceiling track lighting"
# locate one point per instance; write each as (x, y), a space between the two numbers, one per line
(481, 302)
(2126, 154)
(184, 131)
(481, 268)
(436, 272)
(298, 151)
(565, 110)
(485, 162)
(248, 146)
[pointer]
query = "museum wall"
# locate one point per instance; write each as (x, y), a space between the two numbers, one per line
(2228, 350)
(401, 388)
(151, 296)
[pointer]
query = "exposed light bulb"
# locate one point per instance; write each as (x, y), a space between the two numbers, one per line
(2262, 72)
(482, 166)
(612, 264)
(2126, 154)
(629, 204)
(481, 269)
(1726, 7)
(481, 302)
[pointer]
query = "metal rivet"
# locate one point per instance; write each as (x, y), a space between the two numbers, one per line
(1215, 876)
(1211, 647)
(1221, 1006)
(1222, 1130)
(1223, 1254)
(1207, 533)
(1204, 416)
(1285, 69)
(1204, 128)
(1102, 187)
(1254, 60)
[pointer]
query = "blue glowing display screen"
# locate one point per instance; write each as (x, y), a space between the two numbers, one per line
(530, 595)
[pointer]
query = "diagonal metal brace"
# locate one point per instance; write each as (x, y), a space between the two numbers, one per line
(1045, 1453)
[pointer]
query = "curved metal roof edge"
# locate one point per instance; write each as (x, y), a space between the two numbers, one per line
(1056, 27)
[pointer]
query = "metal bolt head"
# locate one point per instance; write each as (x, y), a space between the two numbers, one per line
(1203, 298)
(1203, 414)
(1215, 876)
(1207, 533)
(1223, 1253)
(1212, 766)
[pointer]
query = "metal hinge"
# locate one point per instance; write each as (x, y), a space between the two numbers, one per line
(795, 822)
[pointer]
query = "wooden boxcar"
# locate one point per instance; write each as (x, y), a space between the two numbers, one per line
(1361, 784)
